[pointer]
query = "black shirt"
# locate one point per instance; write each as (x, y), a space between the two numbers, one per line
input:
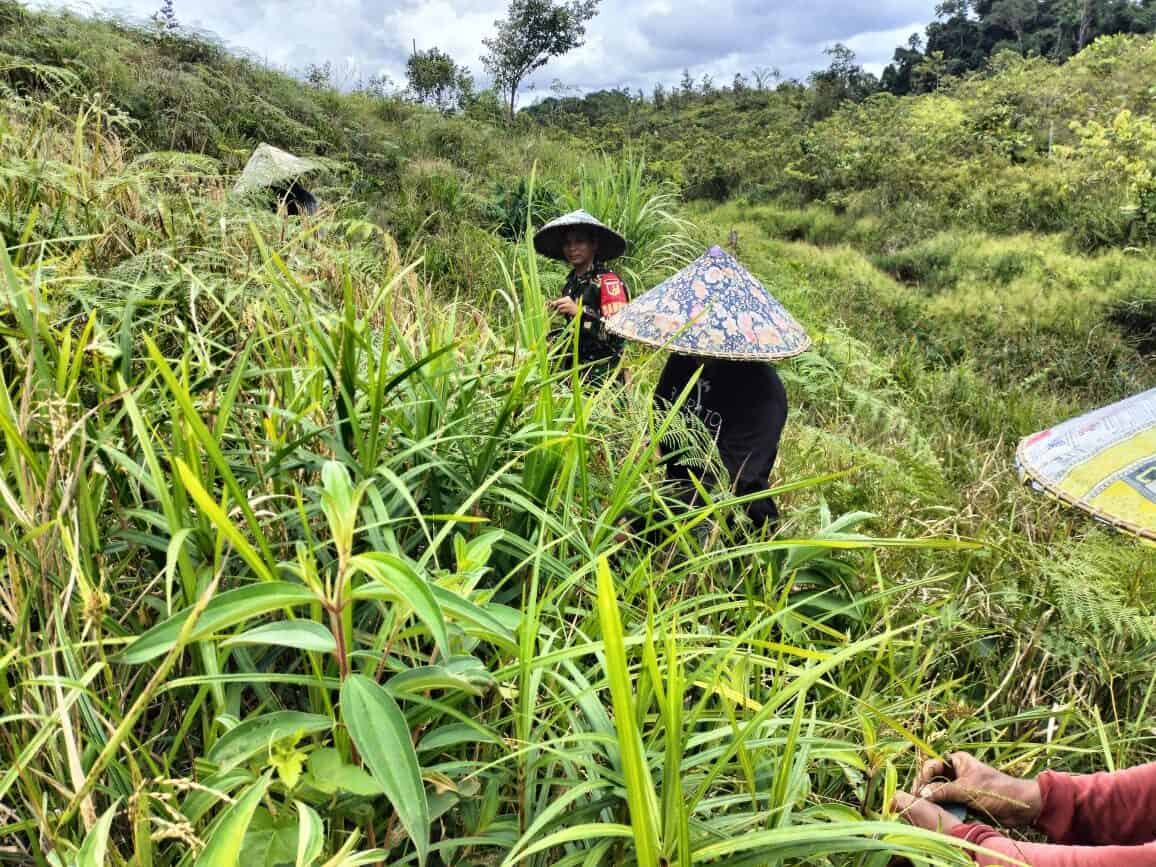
(601, 293)
(744, 406)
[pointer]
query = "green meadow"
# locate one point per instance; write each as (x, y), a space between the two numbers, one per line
(311, 554)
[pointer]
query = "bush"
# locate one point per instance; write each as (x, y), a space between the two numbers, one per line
(929, 265)
(1136, 318)
(512, 207)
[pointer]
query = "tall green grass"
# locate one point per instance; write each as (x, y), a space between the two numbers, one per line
(618, 192)
(303, 564)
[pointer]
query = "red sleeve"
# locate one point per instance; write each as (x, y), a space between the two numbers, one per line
(1010, 853)
(1098, 809)
(614, 296)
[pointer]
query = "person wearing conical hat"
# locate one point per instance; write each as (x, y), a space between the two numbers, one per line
(743, 405)
(280, 175)
(592, 291)
(725, 329)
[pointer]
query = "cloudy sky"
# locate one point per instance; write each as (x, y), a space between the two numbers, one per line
(632, 43)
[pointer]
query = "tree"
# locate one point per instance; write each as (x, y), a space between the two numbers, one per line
(843, 80)
(1014, 15)
(953, 9)
(533, 32)
(379, 86)
(930, 71)
(764, 75)
(165, 18)
(319, 76)
(686, 83)
(436, 80)
(958, 14)
(899, 77)
(1080, 15)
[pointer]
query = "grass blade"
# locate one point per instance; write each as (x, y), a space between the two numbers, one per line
(640, 795)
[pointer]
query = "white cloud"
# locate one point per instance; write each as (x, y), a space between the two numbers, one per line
(631, 43)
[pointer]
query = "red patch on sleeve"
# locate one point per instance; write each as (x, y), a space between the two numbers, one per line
(614, 296)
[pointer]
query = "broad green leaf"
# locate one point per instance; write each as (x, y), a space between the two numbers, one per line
(270, 841)
(223, 846)
(428, 677)
(328, 773)
(412, 588)
(357, 859)
(310, 835)
(94, 851)
(475, 553)
(340, 502)
(300, 634)
(381, 734)
(258, 733)
(225, 610)
(823, 839)
(490, 622)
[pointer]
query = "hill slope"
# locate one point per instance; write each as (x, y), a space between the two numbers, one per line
(310, 551)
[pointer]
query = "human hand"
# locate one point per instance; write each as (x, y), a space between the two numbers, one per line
(923, 813)
(564, 305)
(988, 793)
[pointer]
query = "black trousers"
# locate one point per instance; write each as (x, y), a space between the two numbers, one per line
(748, 459)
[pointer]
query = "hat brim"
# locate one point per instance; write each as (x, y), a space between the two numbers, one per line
(549, 240)
(672, 345)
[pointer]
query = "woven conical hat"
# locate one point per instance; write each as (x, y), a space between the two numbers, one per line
(270, 166)
(1103, 462)
(548, 240)
(713, 308)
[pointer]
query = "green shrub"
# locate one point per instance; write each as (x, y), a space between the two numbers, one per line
(930, 265)
(514, 206)
(1136, 318)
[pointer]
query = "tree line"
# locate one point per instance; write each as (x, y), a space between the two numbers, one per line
(966, 33)
(963, 37)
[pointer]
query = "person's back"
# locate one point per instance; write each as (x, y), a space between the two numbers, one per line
(743, 405)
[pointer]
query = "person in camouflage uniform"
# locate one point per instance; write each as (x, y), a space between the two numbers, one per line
(592, 290)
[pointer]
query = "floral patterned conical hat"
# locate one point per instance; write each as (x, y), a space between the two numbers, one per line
(714, 308)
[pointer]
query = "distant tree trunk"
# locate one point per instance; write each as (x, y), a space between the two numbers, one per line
(1085, 25)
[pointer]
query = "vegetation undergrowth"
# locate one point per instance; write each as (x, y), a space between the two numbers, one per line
(312, 554)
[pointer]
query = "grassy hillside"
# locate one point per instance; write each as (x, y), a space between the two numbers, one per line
(310, 553)
(1026, 146)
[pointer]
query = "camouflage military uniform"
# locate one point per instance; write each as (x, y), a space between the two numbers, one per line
(600, 293)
